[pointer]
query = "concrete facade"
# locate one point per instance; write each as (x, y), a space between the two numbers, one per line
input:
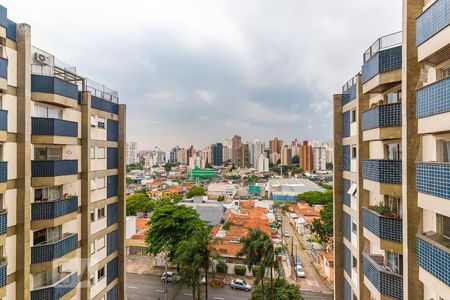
(392, 164)
(62, 164)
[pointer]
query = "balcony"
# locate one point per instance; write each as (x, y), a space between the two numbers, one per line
(433, 178)
(3, 221)
(433, 31)
(57, 288)
(381, 278)
(388, 228)
(4, 71)
(3, 278)
(54, 90)
(382, 122)
(382, 64)
(51, 213)
(3, 121)
(382, 171)
(349, 91)
(3, 171)
(50, 251)
(49, 126)
(433, 106)
(104, 105)
(433, 255)
(52, 168)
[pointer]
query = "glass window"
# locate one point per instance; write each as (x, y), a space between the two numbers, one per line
(394, 97)
(353, 116)
(54, 113)
(394, 261)
(444, 151)
(101, 243)
(354, 227)
(354, 153)
(92, 280)
(93, 216)
(93, 121)
(100, 182)
(354, 263)
(93, 184)
(101, 122)
(101, 274)
(40, 111)
(92, 247)
(445, 228)
(394, 204)
(100, 213)
(394, 151)
(47, 112)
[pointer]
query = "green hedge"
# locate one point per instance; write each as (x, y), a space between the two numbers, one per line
(240, 270)
(255, 271)
(221, 267)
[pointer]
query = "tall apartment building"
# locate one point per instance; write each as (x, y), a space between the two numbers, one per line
(236, 142)
(63, 152)
(217, 154)
(319, 155)
(256, 150)
(275, 146)
(392, 164)
(306, 159)
(132, 156)
(286, 155)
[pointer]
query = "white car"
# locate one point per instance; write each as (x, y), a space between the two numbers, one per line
(300, 272)
(240, 284)
(286, 234)
(171, 277)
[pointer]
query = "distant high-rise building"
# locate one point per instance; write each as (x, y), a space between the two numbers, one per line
(275, 158)
(263, 164)
(182, 156)
(306, 160)
(319, 158)
(275, 145)
(236, 144)
(242, 155)
(191, 152)
(256, 151)
(173, 154)
(216, 154)
(228, 143)
(227, 154)
(132, 153)
(286, 155)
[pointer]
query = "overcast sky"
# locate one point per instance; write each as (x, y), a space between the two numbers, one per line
(196, 72)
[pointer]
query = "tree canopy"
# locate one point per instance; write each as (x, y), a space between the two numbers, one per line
(139, 203)
(196, 191)
(295, 160)
(316, 197)
(323, 227)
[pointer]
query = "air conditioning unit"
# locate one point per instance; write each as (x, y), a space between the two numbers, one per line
(41, 58)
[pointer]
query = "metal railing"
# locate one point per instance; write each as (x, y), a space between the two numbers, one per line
(385, 42)
(101, 91)
(349, 83)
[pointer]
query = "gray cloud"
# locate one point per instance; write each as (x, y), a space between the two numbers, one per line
(195, 72)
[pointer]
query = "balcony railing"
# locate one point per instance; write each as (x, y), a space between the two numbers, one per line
(385, 281)
(432, 21)
(54, 85)
(349, 91)
(433, 178)
(49, 126)
(433, 99)
(3, 171)
(3, 274)
(3, 221)
(433, 255)
(105, 105)
(52, 168)
(382, 171)
(53, 209)
(387, 228)
(388, 115)
(3, 120)
(50, 251)
(3, 68)
(59, 287)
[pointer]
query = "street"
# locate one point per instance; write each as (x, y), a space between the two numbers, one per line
(145, 287)
(312, 284)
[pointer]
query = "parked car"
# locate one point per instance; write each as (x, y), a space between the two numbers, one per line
(240, 285)
(297, 261)
(286, 234)
(171, 277)
(300, 272)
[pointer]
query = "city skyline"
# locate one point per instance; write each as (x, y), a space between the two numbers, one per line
(211, 69)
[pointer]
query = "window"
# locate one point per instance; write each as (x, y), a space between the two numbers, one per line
(101, 243)
(394, 204)
(353, 116)
(100, 213)
(354, 227)
(101, 123)
(101, 152)
(394, 151)
(92, 247)
(394, 261)
(92, 280)
(354, 152)
(101, 274)
(47, 112)
(47, 235)
(100, 182)
(355, 263)
(93, 121)
(43, 153)
(445, 226)
(51, 193)
(443, 151)
(2, 202)
(93, 184)
(93, 216)
(92, 152)
(394, 97)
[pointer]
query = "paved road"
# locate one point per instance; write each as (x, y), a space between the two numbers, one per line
(312, 281)
(145, 287)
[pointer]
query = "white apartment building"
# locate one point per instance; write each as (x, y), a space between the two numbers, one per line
(132, 157)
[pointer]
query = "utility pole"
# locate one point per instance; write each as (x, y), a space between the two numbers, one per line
(292, 245)
(166, 294)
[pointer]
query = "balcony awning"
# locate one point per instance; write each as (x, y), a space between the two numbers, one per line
(352, 190)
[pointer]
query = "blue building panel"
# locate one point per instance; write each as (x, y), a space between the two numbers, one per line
(384, 61)
(433, 99)
(3, 68)
(11, 30)
(112, 158)
(112, 130)
(432, 21)
(346, 157)
(104, 105)
(434, 257)
(113, 293)
(348, 294)
(346, 226)
(112, 213)
(384, 227)
(388, 115)
(112, 186)
(112, 270)
(347, 257)
(349, 95)
(112, 241)
(383, 171)
(433, 179)
(346, 124)
(3, 120)
(53, 85)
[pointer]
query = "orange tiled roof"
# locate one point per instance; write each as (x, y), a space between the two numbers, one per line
(141, 223)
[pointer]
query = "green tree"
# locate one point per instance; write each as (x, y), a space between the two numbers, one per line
(171, 224)
(196, 191)
(316, 197)
(177, 198)
(132, 167)
(295, 160)
(129, 180)
(221, 198)
(139, 203)
(283, 291)
(193, 257)
(323, 226)
(329, 166)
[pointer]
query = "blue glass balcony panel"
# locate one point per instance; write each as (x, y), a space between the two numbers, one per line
(112, 130)
(349, 95)
(382, 171)
(3, 222)
(347, 199)
(3, 16)
(346, 124)
(433, 179)
(3, 171)
(433, 99)
(53, 209)
(53, 85)
(52, 168)
(48, 126)
(104, 105)
(113, 293)
(112, 270)
(347, 257)
(112, 186)
(3, 68)
(112, 158)
(3, 120)
(384, 227)
(388, 115)
(57, 290)
(112, 241)
(112, 213)
(433, 255)
(386, 282)
(432, 21)
(3, 274)
(11, 30)
(50, 251)
(347, 226)
(383, 61)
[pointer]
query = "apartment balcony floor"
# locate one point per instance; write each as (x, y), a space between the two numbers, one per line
(61, 288)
